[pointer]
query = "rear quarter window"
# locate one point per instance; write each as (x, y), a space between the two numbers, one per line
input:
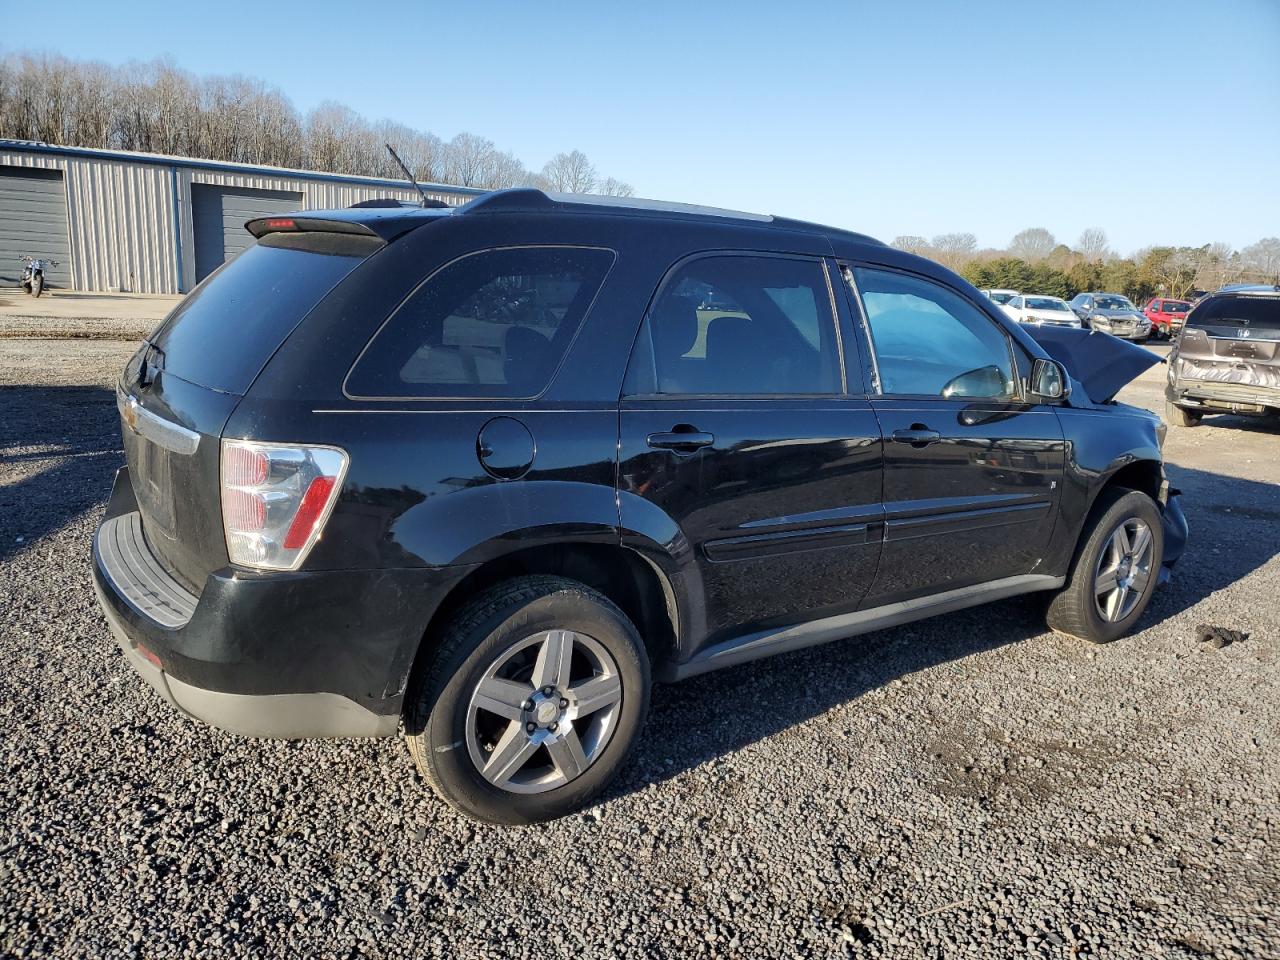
(223, 334)
(493, 324)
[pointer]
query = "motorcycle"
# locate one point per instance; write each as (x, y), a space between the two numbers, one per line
(33, 274)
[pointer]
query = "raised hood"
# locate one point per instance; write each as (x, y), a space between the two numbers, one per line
(1099, 362)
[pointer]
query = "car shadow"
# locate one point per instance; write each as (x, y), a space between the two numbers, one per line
(1233, 524)
(59, 448)
(1263, 426)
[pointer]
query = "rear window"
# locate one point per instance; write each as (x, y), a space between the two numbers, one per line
(493, 324)
(1254, 312)
(224, 333)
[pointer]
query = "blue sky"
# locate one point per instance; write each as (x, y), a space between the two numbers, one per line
(1157, 121)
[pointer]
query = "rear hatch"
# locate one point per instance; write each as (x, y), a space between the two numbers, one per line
(1232, 339)
(178, 391)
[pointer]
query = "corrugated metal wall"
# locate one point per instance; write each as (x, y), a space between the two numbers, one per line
(122, 220)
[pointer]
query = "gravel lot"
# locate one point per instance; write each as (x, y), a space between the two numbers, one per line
(968, 784)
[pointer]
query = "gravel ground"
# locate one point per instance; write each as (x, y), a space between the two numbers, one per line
(966, 785)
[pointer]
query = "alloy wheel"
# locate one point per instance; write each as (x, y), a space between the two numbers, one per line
(1124, 569)
(543, 712)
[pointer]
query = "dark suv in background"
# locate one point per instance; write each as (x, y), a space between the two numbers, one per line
(486, 471)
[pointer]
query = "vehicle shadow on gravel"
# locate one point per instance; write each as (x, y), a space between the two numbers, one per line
(1234, 526)
(59, 448)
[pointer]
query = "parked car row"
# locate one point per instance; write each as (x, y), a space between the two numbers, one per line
(1108, 312)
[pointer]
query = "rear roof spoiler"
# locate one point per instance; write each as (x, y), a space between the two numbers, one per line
(264, 225)
(385, 223)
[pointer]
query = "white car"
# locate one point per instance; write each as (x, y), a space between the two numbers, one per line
(1051, 311)
(1001, 297)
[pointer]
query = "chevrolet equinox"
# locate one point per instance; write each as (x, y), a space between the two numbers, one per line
(480, 474)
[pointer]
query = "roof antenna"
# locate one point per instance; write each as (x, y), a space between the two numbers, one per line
(409, 176)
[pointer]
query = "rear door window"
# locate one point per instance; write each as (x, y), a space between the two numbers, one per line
(224, 333)
(492, 324)
(739, 325)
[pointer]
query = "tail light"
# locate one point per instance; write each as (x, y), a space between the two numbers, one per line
(276, 498)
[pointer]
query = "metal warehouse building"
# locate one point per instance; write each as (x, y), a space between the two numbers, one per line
(145, 223)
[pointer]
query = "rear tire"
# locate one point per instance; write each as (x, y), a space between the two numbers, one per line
(482, 727)
(1109, 586)
(1181, 417)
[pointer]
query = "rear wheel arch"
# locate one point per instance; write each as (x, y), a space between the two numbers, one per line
(635, 584)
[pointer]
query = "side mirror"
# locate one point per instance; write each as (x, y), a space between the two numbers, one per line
(1049, 380)
(983, 383)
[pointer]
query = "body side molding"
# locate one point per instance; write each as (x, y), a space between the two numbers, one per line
(767, 643)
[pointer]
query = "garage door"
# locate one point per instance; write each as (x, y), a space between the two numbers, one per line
(33, 220)
(219, 214)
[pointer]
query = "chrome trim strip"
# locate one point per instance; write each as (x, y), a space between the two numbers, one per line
(162, 432)
(753, 646)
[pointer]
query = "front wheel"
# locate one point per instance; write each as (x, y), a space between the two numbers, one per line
(1115, 570)
(37, 285)
(533, 702)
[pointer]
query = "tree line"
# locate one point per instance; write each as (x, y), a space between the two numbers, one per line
(158, 108)
(1035, 262)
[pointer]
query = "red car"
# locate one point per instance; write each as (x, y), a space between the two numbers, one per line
(1166, 316)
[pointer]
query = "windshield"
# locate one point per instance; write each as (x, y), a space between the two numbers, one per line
(1045, 303)
(1112, 303)
(1176, 306)
(1001, 297)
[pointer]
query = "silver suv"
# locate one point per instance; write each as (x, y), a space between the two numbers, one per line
(1111, 313)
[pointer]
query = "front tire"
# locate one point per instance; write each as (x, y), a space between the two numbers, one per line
(1179, 417)
(532, 703)
(37, 285)
(1115, 570)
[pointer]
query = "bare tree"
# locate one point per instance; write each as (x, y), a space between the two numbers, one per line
(159, 108)
(1032, 244)
(570, 172)
(1216, 264)
(1262, 260)
(1092, 245)
(610, 187)
(953, 249)
(469, 159)
(911, 244)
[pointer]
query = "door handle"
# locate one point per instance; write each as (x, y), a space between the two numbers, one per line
(686, 440)
(918, 435)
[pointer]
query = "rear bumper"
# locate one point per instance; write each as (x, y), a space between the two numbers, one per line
(1215, 397)
(307, 654)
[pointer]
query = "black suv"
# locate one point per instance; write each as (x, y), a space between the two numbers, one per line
(486, 471)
